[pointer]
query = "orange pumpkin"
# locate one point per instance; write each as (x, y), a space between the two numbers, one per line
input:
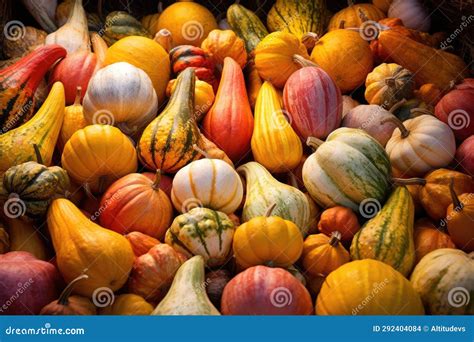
(460, 218)
(323, 254)
(135, 203)
(220, 44)
(340, 219)
(354, 15)
(428, 238)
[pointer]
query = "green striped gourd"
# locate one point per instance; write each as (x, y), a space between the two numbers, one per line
(167, 142)
(388, 236)
(263, 190)
(187, 295)
(298, 17)
(347, 169)
(204, 232)
(444, 278)
(246, 25)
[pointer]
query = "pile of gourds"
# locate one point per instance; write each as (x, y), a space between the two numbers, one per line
(186, 166)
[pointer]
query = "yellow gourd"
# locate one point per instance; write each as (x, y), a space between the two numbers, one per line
(24, 236)
(73, 120)
(128, 304)
(274, 143)
(82, 246)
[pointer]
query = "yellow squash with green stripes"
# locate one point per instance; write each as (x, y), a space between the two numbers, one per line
(42, 130)
(247, 25)
(298, 17)
(167, 142)
(388, 236)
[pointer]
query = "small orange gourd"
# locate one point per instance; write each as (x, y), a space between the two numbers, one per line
(460, 218)
(220, 44)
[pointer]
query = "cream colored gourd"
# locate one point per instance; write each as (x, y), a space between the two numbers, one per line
(123, 95)
(420, 145)
(263, 190)
(74, 34)
(211, 183)
(274, 143)
(187, 295)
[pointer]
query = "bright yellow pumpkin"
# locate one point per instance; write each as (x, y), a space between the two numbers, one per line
(98, 155)
(128, 304)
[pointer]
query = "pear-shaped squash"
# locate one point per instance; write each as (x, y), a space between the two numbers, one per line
(167, 142)
(16, 146)
(274, 143)
(263, 190)
(73, 120)
(388, 236)
(82, 245)
(231, 115)
(19, 82)
(187, 295)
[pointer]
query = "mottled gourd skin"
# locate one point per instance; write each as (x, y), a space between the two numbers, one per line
(444, 276)
(348, 168)
(187, 295)
(167, 142)
(35, 184)
(246, 25)
(388, 236)
(204, 232)
(298, 17)
(263, 190)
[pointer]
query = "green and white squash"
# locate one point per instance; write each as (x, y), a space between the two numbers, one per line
(247, 25)
(34, 186)
(187, 295)
(348, 168)
(263, 190)
(204, 232)
(444, 278)
(298, 17)
(388, 237)
(120, 24)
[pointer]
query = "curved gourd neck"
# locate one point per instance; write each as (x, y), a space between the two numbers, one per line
(255, 173)
(182, 99)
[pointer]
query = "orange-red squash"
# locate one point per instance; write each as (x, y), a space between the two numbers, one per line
(229, 123)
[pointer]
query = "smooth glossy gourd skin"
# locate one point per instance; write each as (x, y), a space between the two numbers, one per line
(274, 143)
(247, 25)
(345, 289)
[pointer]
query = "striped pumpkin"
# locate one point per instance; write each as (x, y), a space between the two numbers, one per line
(246, 25)
(298, 17)
(388, 236)
(274, 143)
(367, 287)
(19, 82)
(167, 142)
(263, 190)
(444, 278)
(211, 183)
(347, 169)
(204, 232)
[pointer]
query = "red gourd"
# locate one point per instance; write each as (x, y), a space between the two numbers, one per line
(465, 156)
(262, 290)
(456, 108)
(229, 122)
(19, 82)
(313, 100)
(75, 71)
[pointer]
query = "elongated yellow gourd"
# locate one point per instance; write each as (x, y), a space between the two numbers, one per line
(274, 143)
(42, 130)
